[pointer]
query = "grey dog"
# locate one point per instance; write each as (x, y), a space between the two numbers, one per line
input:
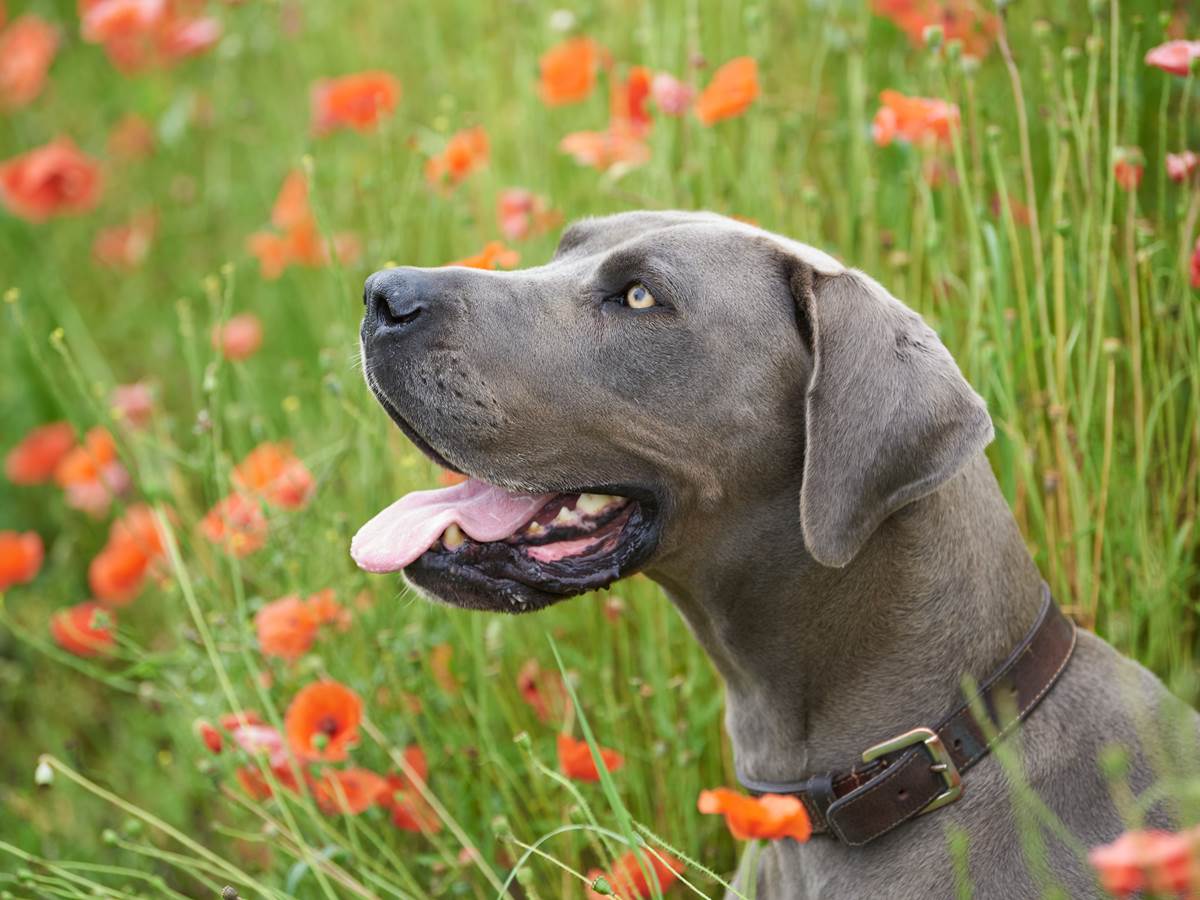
(798, 461)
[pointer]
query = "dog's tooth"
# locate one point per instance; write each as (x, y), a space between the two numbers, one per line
(566, 517)
(534, 529)
(590, 504)
(453, 538)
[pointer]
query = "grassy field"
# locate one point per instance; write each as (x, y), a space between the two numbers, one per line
(1065, 297)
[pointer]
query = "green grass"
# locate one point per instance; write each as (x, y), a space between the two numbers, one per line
(1080, 329)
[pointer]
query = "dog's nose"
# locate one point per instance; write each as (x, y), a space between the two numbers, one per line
(396, 298)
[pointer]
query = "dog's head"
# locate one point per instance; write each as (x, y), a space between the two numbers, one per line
(612, 405)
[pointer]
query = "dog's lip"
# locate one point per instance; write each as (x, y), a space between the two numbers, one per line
(410, 431)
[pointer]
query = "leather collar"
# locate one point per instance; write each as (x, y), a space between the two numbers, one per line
(921, 770)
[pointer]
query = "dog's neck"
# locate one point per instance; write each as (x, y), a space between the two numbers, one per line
(821, 663)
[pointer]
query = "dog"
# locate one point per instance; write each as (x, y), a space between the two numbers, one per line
(794, 456)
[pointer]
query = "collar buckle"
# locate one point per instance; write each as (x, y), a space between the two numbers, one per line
(942, 763)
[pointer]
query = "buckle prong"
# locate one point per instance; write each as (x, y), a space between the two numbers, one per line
(942, 763)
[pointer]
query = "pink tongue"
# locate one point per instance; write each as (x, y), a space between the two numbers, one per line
(411, 525)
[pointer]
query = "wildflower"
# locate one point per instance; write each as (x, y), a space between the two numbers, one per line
(606, 150)
(286, 627)
(348, 791)
(237, 524)
(20, 558)
(960, 20)
(409, 809)
(125, 246)
(131, 138)
(918, 120)
(296, 239)
(85, 629)
(568, 71)
(142, 34)
(27, 48)
(734, 86)
(575, 759)
(672, 96)
(465, 152)
(239, 338)
(770, 816)
(272, 472)
(1129, 168)
(523, 214)
(627, 104)
(322, 721)
(132, 403)
(544, 692)
(353, 101)
(494, 255)
(1175, 57)
(628, 880)
(135, 546)
(1195, 266)
(34, 460)
(209, 735)
(255, 783)
(1180, 166)
(1159, 862)
(259, 739)
(327, 611)
(91, 473)
(56, 179)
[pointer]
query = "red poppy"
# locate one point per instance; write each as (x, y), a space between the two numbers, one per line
(353, 101)
(544, 691)
(568, 71)
(1129, 167)
(141, 34)
(494, 255)
(1195, 265)
(27, 49)
(348, 791)
(575, 759)
(322, 721)
(465, 152)
(255, 783)
(132, 403)
(286, 627)
(1160, 862)
(273, 472)
(20, 558)
(135, 546)
(672, 96)
(237, 524)
(960, 20)
(606, 150)
(209, 735)
(34, 460)
(409, 809)
(297, 239)
(627, 104)
(56, 179)
(85, 629)
(91, 475)
(125, 246)
(1180, 166)
(770, 816)
(523, 214)
(1175, 57)
(734, 86)
(918, 120)
(240, 337)
(131, 138)
(233, 721)
(627, 879)
(327, 610)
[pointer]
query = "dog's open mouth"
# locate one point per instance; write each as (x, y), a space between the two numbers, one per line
(480, 546)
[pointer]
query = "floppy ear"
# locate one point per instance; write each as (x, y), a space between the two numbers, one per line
(889, 416)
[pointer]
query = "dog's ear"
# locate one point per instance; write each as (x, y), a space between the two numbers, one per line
(889, 416)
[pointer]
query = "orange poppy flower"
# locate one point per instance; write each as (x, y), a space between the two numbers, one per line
(131, 138)
(234, 721)
(409, 809)
(1163, 863)
(353, 101)
(125, 246)
(209, 735)
(91, 473)
(85, 629)
(627, 879)
(605, 150)
(327, 610)
(348, 791)
(918, 120)
(27, 49)
(1175, 57)
(628, 102)
(465, 152)
(20, 558)
(523, 214)
(322, 721)
(770, 816)
(1129, 167)
(286, 627)
(291, 204)
(255, 783)
(239, 338)
(733, 88)
(237, 524)
(494, 255)
(56, 179)
(568, 71)
(575, 759)
(964, 21)
(140, 34)
(34, 460)
(135, 545)
(543, 691)
(298, 239)
(272, 472)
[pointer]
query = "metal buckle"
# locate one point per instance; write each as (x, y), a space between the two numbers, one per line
(942, 763)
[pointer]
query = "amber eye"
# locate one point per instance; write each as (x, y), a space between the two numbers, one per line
(638, 297)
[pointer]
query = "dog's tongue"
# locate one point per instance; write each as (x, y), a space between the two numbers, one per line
(409, 527)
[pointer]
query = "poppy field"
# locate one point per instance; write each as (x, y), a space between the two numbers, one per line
(198, 688)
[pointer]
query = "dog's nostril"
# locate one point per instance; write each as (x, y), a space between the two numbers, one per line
(392, 311)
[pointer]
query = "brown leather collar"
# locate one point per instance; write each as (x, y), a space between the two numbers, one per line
(921, 770)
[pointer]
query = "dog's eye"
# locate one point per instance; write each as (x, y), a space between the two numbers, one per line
(639, 297)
